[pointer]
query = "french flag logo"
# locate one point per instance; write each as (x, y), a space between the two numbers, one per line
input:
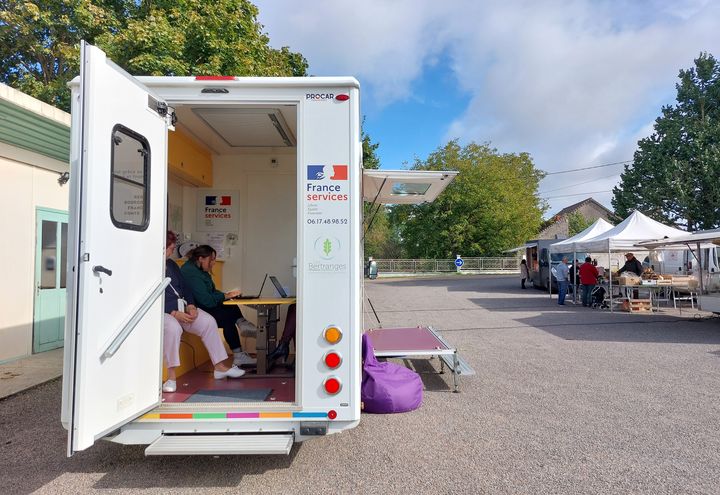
(218, 201)
(340, 172)
(320, 172)
(316, 172)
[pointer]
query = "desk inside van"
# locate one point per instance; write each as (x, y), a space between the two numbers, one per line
(267, 318)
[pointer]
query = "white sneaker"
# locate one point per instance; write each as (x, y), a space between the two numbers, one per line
(233, 372)
(243, 359)
(169, 386)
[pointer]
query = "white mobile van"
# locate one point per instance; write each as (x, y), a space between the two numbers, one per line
(118, 214)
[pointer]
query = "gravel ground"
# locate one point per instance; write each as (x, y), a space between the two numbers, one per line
(565, 400)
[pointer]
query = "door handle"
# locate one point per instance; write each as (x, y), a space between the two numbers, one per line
(100, 268)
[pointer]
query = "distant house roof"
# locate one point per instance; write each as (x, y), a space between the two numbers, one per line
(571, 208)
(556, 227)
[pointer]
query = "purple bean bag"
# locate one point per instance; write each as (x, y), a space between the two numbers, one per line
(387, 387)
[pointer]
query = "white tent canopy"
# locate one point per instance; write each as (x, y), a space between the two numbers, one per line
(624, 236)
(568, 245)
(705, 237)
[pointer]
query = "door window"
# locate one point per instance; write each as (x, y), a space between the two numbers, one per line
(63, 255)
(49, 261)
(129, 190)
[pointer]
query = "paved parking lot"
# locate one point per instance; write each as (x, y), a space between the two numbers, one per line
(566, 400)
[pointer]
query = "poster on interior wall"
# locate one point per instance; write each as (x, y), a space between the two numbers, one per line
(218, 210)
(175, 218)
(217, 241)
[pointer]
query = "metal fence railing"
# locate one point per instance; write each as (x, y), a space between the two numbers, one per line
(487, 265)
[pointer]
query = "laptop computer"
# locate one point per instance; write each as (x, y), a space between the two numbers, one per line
(246, 296)
(278, 286)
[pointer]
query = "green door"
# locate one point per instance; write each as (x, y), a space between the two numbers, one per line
(50, 279)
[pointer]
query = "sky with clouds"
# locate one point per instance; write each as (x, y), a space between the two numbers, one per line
(575, 83)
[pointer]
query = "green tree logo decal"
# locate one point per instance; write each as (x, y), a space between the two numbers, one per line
(327, 247)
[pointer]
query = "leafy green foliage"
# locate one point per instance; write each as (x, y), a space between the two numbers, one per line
(577, 223)
(492, 205)
(183, 37)
(40, 49)
(369, 150)
(674, 175)
(40, 40)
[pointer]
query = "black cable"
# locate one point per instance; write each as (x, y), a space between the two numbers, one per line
(375, 312)
(588, 168)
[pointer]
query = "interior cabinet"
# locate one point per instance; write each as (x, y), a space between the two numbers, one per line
(189, 160)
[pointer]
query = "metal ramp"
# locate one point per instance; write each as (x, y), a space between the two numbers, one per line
(463, 368)
(419, 341)
(194, 444)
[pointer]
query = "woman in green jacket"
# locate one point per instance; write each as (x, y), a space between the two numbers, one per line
(197, 275)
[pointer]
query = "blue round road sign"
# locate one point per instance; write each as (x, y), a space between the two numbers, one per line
(459, 262)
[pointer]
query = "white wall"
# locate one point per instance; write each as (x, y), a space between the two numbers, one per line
(267, 235)
(175, 205)
(24, 187)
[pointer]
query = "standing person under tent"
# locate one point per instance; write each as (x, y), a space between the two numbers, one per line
(632, 264)
(588, 279)
(562, 275)
(197, 272)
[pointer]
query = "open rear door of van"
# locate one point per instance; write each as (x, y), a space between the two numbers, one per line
(404, 186)
(116, 254)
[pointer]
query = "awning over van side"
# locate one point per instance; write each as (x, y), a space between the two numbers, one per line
(521, 248)
(404, 186)
(705, 237)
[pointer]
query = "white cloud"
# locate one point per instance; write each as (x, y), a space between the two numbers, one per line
(571, 82)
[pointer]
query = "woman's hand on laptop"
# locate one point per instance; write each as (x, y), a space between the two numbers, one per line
(232, 293)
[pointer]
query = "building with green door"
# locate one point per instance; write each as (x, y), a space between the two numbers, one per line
(34, 156)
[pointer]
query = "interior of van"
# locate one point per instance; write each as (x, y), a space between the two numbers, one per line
(248, 152)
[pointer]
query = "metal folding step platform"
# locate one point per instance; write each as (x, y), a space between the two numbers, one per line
(419, 341)
(194, 444)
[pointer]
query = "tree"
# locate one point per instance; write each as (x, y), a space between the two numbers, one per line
(674, 174)
(40, 49)
(577, 223)
(492, 205)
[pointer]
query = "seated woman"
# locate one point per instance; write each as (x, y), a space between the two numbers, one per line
(181, 314)
(196, 273)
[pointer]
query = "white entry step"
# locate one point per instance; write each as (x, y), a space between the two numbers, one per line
(221, 444)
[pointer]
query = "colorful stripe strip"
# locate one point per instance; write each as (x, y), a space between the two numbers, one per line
(243, 415)
(281, 415)
(310, 415)
(234, 415)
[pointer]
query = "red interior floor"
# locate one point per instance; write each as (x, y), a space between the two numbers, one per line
(279, 380)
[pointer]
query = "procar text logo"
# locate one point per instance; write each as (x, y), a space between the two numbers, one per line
(320, 96)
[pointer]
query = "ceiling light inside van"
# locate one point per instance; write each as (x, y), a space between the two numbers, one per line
(248, 127)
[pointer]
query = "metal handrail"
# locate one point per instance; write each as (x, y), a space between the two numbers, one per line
(137, 315)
